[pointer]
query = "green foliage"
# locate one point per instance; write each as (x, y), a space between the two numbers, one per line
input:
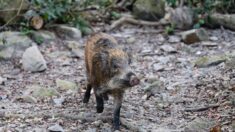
(172, 3)
(170, 29)
(3, 3)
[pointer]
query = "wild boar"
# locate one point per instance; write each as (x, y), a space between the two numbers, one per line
(108, 72)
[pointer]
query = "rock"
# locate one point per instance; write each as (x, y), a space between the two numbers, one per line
(39, 130)
(158, 67)
(130, 40)
(168, 49)
(230, 63)
(194, 35)
(181, 17)
(67, 32)
(2, 80)
(43, 36)
(58, 101)
(199, 125)
(209, 44)
(56, 128)
(65, 85)
(41, 92)
(151, 10)
(33, 60)
(153, 88)
(213, 38)
(26, 99)
(174, 39)
(74, 45)
(208, 61)
(13, 44)
(13, 5)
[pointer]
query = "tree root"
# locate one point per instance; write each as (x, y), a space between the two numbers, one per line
(201, 108)
(129, 19)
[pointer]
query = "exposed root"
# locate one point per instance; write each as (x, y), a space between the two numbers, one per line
(131, 20)
(201, 108)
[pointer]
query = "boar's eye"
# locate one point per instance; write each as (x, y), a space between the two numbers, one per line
(115, 66)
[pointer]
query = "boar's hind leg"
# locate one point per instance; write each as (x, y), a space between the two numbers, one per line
(99, 102)
(87, 93)
(118, 104)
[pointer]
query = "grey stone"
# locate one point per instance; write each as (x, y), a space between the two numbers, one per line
(33, 60)
(181, 17)
(174, 39)
(199, 125)
(149, 9)
(27, 99)
(13, 44)
(58, 101)
(194, 35)
(168, 48)
(2, 80)
(56, 128)
(208, 61)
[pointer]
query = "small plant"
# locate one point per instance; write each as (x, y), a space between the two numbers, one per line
(170, 29)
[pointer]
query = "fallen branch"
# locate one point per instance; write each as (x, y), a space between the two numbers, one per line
(131, 20)
(201, 108)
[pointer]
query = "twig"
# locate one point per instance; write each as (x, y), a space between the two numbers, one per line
(18, 12)
(201, 108)
(136, 22)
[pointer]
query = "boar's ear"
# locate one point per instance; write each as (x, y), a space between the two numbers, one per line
(100, 60)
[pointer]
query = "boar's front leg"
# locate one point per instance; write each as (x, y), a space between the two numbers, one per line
(99, 101)
(118, 96)
(87, 93)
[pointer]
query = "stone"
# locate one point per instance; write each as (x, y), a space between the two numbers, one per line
(208, 61)
(67, 32)
(181, 17)
(194, 35)
(130, 40)
(199, 125)
(56, 128)
(41, 92)
(65, 85)
(213, 38)
(158, 67)
(26, 99)
(33, 60)
(2, 80)
(168, 49)
(13, 44)
(42, 36)
(151, 10)
(174, 39)
(58, 101)
(6, 14)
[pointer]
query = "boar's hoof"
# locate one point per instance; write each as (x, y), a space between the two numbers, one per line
(99, 109)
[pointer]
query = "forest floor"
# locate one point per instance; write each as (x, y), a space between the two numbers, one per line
(184, 97)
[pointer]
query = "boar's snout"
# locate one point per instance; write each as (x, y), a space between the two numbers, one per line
(133, 79)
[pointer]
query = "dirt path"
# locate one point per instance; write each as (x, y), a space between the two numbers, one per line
(185, 99)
